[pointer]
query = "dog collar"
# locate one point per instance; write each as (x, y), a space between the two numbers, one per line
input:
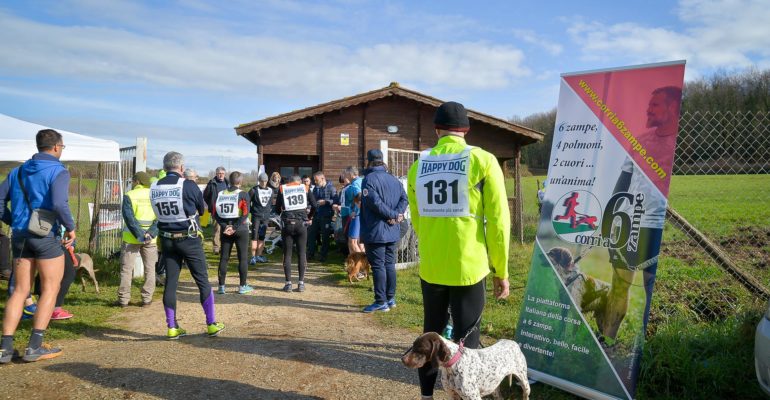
(455, 358)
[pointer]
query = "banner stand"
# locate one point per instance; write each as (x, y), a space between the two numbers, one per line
(567, 386)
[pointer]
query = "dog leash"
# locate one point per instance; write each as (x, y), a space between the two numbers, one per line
(71, 251)
(455, 358)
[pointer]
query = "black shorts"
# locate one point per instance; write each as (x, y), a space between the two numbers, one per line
(37, 248)
(258, 228)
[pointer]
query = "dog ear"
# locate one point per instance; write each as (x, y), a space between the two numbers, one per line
(443, 352)
(439, 351)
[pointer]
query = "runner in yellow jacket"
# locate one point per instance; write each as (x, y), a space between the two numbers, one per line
(453, 189)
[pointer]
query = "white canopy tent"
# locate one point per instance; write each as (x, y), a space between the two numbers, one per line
(17, 143)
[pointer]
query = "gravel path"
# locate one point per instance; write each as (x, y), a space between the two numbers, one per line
(276, 346)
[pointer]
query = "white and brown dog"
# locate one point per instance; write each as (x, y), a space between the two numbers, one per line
(468, 373)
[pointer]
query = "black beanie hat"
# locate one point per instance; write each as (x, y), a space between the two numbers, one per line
(451, 116)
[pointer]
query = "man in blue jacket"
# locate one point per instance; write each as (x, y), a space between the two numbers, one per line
(41, 184)
(383, 202)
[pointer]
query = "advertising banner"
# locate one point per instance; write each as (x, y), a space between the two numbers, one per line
(588, 295)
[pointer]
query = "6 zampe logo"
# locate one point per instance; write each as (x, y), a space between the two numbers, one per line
(576, 214)
(575, 219)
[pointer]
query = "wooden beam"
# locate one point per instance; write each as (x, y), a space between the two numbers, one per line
(321, 165)
(362, 138)
(518, 210)
(747, 280)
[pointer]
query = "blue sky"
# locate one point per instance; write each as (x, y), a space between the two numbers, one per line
(184, 73)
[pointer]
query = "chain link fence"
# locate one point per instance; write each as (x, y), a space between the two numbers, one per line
(718, 238)
(723, 143)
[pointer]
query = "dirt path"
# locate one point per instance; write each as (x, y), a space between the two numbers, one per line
(276, 345)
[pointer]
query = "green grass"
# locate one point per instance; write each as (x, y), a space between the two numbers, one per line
(93, 311)
(700, 338)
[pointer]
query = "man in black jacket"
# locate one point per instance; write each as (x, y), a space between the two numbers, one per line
(324, 193)
(216, 185)
(261, 198)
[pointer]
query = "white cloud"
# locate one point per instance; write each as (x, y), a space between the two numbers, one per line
(531, 37)
(716, 34)
(240, 63)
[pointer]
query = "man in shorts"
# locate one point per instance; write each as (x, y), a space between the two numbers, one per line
(39, 187)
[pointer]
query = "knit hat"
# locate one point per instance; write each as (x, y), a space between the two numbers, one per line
(142, 178)
(263, 177)
(374, 155)
(451, 116)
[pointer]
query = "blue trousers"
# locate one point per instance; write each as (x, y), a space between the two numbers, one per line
(382, 257)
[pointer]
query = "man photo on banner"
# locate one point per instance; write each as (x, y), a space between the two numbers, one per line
(662, 119)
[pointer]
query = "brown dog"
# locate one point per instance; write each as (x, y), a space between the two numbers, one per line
(357, 263)
(85, 263)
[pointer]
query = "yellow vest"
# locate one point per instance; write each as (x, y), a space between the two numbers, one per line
(140, 202)
(456, 251)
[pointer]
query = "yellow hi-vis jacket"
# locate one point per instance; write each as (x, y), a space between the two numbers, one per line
(143, 213)
(455, 251)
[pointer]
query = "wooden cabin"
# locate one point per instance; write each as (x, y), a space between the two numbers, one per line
(331, 136)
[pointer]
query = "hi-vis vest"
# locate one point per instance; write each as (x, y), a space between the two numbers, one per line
(227, 204)
(145, 216)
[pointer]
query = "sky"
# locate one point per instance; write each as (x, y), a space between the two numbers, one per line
(184, 73)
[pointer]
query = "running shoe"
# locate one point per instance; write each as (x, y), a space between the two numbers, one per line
(176, 333)
(215, 328)
(60, 314)
(253, 260)
(221, 289)
(287, 287)
(6, 357)
(392, 303)
(44, 352)
(262, 259)
(245, 289)
(376, 307)
(29, 311)
(301, 287)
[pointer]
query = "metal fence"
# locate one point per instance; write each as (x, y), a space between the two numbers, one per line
(716, 249)
(399, 162)
(112, 180)
(723, 143)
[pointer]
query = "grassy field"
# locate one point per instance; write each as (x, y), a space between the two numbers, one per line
(700, 336)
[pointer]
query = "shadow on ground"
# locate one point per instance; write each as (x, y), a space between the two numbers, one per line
(166, 385)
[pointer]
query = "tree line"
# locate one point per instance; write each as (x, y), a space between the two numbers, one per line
(746, 92)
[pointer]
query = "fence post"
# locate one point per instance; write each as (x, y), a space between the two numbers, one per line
(80, 189)
(94, 235)
(141, 156)
(384, 149)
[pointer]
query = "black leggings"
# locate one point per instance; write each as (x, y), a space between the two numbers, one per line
(466, 302)
(190, 250)
(241, 241)
(294, 231)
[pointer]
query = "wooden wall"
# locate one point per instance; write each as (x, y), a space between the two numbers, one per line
(366, 125)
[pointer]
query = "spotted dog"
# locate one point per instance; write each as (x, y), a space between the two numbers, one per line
(466, 373)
